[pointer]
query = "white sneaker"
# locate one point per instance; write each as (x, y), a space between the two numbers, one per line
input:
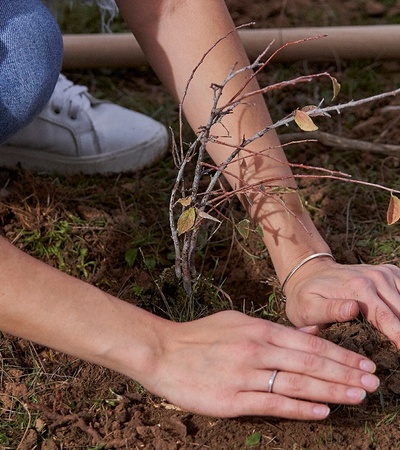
(76, 133)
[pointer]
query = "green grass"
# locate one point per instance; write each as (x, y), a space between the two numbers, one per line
(60, 241)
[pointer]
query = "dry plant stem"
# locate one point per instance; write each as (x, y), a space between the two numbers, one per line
(185, 252)
(191, 78)
(174, 60)
(28, 426)
(184, 263)
(342, 143)
(262, 65)
(318, 111)
(190, 239)
(181, 162)
(226, 109)
(259, 186)
(184, 258)
(256, 187)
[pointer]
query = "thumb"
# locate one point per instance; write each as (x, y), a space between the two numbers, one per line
(339, 310)
(324, 311)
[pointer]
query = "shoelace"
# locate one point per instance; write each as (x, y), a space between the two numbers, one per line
(69, 95)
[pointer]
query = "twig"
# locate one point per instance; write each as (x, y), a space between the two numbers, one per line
(28, 425)
(318, 111)
(263, 65)
(342, 143)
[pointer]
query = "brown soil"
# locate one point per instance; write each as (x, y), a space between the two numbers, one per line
(51, 401)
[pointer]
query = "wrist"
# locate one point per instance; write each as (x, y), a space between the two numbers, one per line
(296, 249)
(304, 261)
(131, 343)
(305, 270)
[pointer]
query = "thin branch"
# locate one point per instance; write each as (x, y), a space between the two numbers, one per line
(262, 66)
(195, 70)
(277, 86)
(318, 111)
(252, 153)
(342, 143)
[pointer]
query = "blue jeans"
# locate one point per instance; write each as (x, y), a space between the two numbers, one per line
(30, 62)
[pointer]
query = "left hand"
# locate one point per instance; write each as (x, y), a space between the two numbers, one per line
(322, 292)
(220, 366)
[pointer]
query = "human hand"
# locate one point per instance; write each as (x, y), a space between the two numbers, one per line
(322, 292)
(221, 366)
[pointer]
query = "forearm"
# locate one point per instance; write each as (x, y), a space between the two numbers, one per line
(175, 36)
(46, 306)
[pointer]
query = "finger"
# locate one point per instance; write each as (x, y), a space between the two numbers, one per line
(263, 404)
(318, 310)
(382, 285)
(321, 368)
(309, 345)
(389, 295)
(383, 318)
(393, 273)
(296, 385)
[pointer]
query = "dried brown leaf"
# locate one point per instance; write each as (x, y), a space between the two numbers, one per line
(185, 201)
(205, 215)
(336, 87)
(186, 220)
(393, 212)
(304, 121)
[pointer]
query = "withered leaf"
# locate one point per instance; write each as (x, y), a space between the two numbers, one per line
(244, 228)
(393, 212)
(304, 121)
(186, 220)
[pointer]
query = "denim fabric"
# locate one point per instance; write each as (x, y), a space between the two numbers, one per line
(30, 62)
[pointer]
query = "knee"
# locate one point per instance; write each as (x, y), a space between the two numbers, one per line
(30, 62)
(40, 58)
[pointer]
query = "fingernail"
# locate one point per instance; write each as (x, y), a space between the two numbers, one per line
(356, 394)
(345, 311)
(367, 366)
(370, 381)
(321, 411)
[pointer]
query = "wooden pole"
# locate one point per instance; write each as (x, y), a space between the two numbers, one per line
(378, 42)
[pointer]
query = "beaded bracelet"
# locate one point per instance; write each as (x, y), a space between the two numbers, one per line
(300, 264)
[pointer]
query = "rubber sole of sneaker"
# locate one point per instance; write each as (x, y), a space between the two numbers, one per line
(129, 160)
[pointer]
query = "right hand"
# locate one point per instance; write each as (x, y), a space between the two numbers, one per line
(220, 366)
(324, 292)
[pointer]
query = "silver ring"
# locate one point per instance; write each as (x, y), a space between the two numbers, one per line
(271, 381)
